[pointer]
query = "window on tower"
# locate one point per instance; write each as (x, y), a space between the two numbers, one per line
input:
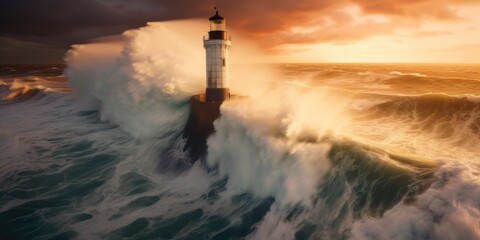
(217, 25)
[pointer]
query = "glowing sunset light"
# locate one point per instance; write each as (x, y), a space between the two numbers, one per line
(228, 119)
(383, 38)
(288, 31)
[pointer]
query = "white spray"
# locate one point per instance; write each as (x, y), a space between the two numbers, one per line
(271, 143)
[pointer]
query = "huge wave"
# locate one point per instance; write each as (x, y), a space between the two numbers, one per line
(143, 83)
(287, 141)
(296, 159)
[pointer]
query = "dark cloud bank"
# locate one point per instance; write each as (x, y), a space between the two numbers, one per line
(36, 31)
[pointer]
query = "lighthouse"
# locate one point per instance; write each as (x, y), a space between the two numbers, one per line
(216, 45)
(205, 107)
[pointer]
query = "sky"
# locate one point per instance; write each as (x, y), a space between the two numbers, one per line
(445, 31)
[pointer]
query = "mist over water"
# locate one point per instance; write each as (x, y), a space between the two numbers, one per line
(315, 151)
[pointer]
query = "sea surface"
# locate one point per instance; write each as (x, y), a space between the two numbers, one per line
(329, 151)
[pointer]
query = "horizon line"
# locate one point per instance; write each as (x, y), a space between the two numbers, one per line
(273, 62)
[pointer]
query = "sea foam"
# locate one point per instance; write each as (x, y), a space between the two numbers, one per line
(270, 143)
(141, 82)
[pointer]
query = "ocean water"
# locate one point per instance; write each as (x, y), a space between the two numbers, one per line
(95, 149)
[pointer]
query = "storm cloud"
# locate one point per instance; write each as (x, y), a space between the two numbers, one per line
(53, 25)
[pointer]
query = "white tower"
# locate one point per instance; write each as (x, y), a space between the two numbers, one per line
(216, 45)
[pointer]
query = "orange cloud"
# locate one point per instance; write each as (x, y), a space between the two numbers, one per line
(273, 23)
(432, 33)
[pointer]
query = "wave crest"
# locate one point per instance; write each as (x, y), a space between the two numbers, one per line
(18, 92)
(143, 80)
(447, 210)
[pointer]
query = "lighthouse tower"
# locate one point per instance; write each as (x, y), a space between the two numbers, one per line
(216, 45)
(205, 107)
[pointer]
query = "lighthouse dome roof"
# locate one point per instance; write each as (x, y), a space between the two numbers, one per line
(216, 17)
